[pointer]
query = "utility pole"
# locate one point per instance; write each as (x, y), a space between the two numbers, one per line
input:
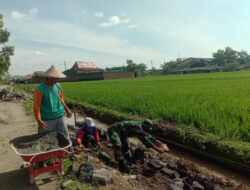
(152, 70)
(152, 64)
(64, 65)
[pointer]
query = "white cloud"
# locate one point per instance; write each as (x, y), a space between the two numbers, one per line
(83, 12)
(114, 20)
(73, 42)
(131, 26)
(126, 21)
(17, 15)
(99, 14)
(124, 42)
(191, 35)
(34, 11)
(54, 49)
(26, 62)
(38, 53)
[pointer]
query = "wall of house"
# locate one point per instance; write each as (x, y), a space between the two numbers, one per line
(99, 76)
(84, 77)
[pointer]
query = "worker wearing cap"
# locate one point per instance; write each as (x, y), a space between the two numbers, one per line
(88, 133)
(49, 106)
(119, 132)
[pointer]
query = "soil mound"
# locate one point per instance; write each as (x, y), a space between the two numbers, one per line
(38, 143)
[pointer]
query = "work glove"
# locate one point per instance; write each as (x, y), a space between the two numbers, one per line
(160, 147)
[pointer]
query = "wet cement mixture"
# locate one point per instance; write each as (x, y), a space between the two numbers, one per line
(38, 143)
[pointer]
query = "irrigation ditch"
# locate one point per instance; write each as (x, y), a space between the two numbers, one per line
(236, 153)
(226, 158)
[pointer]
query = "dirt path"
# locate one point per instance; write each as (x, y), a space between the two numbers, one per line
(15, 123)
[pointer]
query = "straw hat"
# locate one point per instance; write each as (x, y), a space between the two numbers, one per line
(54, 73)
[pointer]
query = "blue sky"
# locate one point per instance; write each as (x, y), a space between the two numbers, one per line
(108, 32)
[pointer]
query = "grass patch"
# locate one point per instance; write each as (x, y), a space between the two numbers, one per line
(29, 107)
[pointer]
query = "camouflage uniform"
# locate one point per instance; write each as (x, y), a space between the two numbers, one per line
(118, 134)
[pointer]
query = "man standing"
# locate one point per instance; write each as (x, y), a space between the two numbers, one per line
(118, 134)
(49, 106)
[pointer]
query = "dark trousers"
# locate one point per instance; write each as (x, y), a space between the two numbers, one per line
(89, 140)
(120, 145)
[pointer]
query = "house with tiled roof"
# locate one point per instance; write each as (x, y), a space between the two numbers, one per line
(84, 70)
(83, 67)
(29, 76)
(87, 70)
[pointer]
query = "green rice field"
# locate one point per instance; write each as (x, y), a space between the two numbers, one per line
(216, 102)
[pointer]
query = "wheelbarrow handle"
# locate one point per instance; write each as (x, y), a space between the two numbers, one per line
(27, 164)
(75, 151)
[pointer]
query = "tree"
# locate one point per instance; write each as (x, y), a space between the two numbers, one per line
(114, 69)
(131, 66)
(231, 55)
(219, 58)
(7, 51)
(169, 67)
(243, 57)
(141, 68)
(224, 57)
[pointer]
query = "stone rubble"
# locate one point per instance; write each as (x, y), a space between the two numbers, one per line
(172, 175)
(8, 94)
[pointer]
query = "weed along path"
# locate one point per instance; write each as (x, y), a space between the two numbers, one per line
(15, 123)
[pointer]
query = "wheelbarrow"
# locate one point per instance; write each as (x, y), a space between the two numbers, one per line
(55, 155)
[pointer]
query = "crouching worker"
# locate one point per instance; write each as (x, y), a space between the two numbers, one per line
(118, 135)
(88, 134)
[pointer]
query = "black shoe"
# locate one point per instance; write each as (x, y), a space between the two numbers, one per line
(123, 168)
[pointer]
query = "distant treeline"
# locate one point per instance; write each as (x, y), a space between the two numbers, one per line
(224, 59)
(227, 60)
(140, 69)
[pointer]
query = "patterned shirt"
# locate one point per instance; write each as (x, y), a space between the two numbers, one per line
(133, 129)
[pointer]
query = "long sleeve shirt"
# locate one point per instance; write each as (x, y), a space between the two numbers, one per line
(133, 129)
(84, 131)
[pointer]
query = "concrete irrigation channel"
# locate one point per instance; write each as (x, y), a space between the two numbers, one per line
(217, 166)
